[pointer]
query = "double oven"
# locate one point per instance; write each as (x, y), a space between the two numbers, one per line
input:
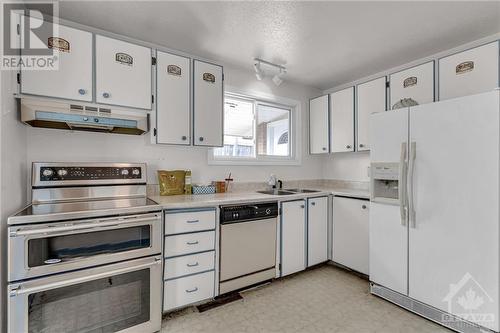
(89, 261)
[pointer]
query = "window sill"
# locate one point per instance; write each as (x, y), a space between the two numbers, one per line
(251, 162)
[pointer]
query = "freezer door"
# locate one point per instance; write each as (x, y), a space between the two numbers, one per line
(388, 227)
(454, 229)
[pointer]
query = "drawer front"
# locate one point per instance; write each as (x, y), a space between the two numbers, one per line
(190, 264)
(178, 223)
(189, 243)
(187, 290)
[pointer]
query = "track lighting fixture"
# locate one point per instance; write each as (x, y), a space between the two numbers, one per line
(259, 72)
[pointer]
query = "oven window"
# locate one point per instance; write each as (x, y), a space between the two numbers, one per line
(106, 305)
(42, 251)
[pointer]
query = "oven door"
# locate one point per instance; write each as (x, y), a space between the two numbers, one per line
(123, 297)
(42, 249)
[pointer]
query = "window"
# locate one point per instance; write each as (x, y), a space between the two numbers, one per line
(255, 130)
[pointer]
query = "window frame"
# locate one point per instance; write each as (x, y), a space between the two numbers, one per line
(294, 132)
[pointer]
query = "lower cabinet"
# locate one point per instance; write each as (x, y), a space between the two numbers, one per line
(293, 237)
(350, 233)
(189, 250)
(317, 230)
(304, 234)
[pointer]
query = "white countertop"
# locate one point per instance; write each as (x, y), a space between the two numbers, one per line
(213, 200)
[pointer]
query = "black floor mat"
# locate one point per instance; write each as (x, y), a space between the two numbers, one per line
(221, 300)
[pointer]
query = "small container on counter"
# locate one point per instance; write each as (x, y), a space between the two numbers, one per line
(203, 189)
(220, 186)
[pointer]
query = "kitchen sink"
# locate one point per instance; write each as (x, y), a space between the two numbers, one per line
(276, 192)
(300, 190)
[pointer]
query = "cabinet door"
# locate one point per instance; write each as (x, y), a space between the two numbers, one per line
(173, 99)
(342, 120)
(371, 98)
(293, 237)
(317, 230)
(73, 77)
(208, 104)
(350, 233)
(416, 83)
(469, 72)
(123, 73)
(318, 125)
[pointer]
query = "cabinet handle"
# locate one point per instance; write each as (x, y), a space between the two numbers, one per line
(313, 203)
(302, 206)
(192, 243)
(192, 265)
(192, 290)
(82, 91)
(324, 148)
(348, 146)
(364, 206)
(201, 139)
(192, 221)
(361, 145)
(105, 95)
(184, 138)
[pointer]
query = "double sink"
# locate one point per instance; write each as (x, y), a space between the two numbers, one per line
(287, 191)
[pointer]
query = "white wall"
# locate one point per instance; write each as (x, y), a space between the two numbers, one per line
(353, 166)
(57, 145)
(13, 171)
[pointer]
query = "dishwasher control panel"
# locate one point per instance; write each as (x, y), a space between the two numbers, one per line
(247, 212)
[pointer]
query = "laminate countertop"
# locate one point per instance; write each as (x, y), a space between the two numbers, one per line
(214, 200)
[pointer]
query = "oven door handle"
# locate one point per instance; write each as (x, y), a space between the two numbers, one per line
(83, 226)
(59, 284)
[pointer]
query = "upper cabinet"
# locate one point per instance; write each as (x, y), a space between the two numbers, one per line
(371, 98)
(412, 86)
(73, 77)
(342, 120)
(318, 125)
(208, 96)
(173, 121)
(469, 72)
(123, 73)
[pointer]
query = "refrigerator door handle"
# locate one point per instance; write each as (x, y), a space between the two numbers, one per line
(403, 169)
(411, 204)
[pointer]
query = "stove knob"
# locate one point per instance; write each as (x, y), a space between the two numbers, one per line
(268, 211)
(47, 172)
(124, 172)
(135, 172)
(62, 172)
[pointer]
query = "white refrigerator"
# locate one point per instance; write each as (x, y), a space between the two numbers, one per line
(434, 216)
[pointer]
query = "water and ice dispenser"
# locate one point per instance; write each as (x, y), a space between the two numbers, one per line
(385, 182)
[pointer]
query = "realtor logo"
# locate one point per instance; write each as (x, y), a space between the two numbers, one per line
(27, 29)
(469, 301)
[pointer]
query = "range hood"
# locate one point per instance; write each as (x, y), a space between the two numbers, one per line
(50, 113)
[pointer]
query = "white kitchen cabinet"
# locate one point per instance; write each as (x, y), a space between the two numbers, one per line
(293, 237)
(123, 73)
(371, 98)
(469, 72)
(73, 77)
(351, 233)
(208, 96)
(317, 230)
(416, 83)
(342, 120)
(318, 125)
(173, 101)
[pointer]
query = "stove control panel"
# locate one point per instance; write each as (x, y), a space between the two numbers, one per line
(62, 173)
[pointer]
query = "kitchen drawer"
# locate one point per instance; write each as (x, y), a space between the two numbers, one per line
(190, 264)
(469, 72)
(178, 223)
(188, 290)
(189, 243)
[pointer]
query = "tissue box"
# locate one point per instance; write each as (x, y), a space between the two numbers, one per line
(209, 189)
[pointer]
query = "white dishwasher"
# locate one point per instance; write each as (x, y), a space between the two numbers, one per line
(247, 245)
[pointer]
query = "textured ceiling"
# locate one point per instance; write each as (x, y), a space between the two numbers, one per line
(323, 44)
